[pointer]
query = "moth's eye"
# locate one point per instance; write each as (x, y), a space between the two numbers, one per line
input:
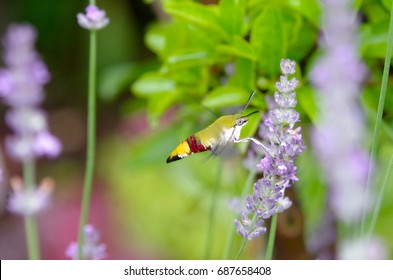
(240, 122)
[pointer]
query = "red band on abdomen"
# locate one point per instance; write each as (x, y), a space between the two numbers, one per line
(195, 146)
(192, 143)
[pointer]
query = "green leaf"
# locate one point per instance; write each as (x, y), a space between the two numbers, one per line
(232, 14)
(269, 40)
(238, 47)
(151, 84)
(301, 35)
(225, 96)
(155, 38)
(158, 105)
(115, 79)
(375, 12)
(254, 121)
(387, 4)
(310, 9)
(374, 38)
(188, 58)
(202, 16)
(306, 99)
(244, 74)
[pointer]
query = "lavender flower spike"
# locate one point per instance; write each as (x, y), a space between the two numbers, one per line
(94, 19)
(21, 87)
(277, 166)
(92, 249)
(339, 140)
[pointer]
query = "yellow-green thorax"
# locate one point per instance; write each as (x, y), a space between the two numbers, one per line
(222, 131)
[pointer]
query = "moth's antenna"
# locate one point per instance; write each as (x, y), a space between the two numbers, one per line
(252, 113)
(248, 101)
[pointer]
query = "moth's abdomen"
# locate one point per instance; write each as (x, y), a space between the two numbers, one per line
(187, 147)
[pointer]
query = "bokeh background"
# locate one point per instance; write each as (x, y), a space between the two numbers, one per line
(143, 207)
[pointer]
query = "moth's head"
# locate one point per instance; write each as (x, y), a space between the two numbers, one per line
(242, 120)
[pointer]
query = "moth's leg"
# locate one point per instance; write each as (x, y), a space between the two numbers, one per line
(216, 150)
(247, 139)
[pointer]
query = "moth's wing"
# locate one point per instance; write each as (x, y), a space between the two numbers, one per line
(223, 145)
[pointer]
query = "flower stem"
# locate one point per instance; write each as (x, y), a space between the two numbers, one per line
(32, 240)
(33, 246)
(241, 248)
(380, 197)
(378, 121)
(91, 131)
(231, 235)
(272, 237)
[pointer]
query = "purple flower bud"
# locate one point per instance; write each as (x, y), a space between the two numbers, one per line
(6, 83)
(287, 67)
(20, 148)
(27, 201)
(93, 19)
(285, 86)
(46, 144)
(26, 120)
(286, 101)
(92, 249)
(20, 36)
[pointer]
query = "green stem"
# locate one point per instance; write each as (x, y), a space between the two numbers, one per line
(378, 121)
(272, 237)
(380, 197)
(241, 248)
(212, 213)
(91, 140)
(31, 230)
(32, 240)
(232, 231)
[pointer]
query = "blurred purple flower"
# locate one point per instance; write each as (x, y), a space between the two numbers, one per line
(92, 249)
(46, 144)
(339, 136)
(21, 87)
(29, 201)
(93, 19)
(277, 166)
(363, 249)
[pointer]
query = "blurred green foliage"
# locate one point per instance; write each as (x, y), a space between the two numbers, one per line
(218, 54)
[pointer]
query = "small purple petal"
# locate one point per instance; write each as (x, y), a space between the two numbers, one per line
(6, 83)
(20, 148)
(287, 66)
(26, 120)
(47, 145)
(92, 249)
(26, 202)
